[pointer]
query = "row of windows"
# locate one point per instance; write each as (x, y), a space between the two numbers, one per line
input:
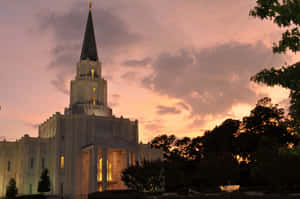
(31, 164)
(62, 163)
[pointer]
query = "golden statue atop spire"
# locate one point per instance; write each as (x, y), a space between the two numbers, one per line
(90, 3)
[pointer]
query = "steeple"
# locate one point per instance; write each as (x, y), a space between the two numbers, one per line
(89, 47)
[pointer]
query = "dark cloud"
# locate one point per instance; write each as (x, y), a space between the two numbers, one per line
(61, 84)
(32, 125)
(197, 123)
(211, 80)
(112, 34)
(115, 100)
(130, 76)
(163, 110)
(182, 105)
(137, 63)
(116, 96)
(153, 125)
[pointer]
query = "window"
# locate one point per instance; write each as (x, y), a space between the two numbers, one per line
(43, 163)
(99, 166)
(94, 97)
(109, 178)
(93, 73)
(8, 165)
(30, 188)
(62, 188)
(62, 162)
(31, 163)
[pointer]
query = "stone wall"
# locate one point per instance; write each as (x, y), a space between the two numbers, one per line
(67, 136)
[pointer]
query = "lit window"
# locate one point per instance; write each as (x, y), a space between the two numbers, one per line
(94, 97)
(109, 175)
(93, 73)
(99, 176)
(62, 162)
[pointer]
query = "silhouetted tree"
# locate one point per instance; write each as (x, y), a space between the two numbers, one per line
(165, 143)
(207, 160)
(221, 140)
(263, 132)
(148, 176)
(44, 183)
(11, 189)
(220, 149)
(284, 14)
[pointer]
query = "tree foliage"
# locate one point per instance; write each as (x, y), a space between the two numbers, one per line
(264, 132)
(148, 176)
(284, 13)
(44, 183)
(259, 150)
(221, 140)
(11, 189)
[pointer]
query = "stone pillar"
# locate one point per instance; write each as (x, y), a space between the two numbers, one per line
(136, 155)
(90, 172)
(104, 169)
(93, 170)
(95, 161)
(127, 158)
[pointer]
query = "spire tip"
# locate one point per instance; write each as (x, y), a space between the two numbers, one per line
(90, 4)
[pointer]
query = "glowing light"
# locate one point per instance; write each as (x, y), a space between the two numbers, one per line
(93, 73)
(100, 169)
(94, 97)
(109, 175)
(90, 5)
(99, 175)
(62, 162)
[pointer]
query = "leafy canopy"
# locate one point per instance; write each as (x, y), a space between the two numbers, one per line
(286, 14)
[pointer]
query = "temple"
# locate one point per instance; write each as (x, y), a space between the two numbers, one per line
(86, 148)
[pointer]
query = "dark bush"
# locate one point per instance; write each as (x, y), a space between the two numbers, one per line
(32, 196)
(147, 176)
(44, 183)
(11, 189)
(117, 194)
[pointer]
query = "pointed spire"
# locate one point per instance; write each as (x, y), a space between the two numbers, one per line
(89, 47)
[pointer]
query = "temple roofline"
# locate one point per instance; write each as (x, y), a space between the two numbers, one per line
(89, 47)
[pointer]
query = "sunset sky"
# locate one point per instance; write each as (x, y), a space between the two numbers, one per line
(177, 66)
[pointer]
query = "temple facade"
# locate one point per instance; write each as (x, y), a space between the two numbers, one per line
(86, 148)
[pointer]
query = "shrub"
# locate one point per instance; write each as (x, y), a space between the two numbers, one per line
(147, 176)
(117, 194)
(44, 183)
(32, 196)
(11, 189)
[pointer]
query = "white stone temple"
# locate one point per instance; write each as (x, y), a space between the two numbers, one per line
(86, 148)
